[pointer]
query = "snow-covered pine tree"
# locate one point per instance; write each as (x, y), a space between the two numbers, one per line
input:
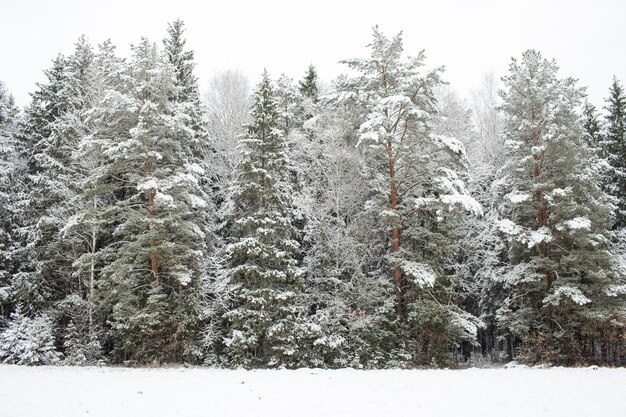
(155, 255)
(12, 168)
(85, 315)
(265, 321)
(28, 284)
(416, 182)
(614, 149)
(561, 280)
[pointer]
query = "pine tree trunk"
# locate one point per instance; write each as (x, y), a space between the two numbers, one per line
(395, 233)
(154, 263)
(92, 272)
(542, 211)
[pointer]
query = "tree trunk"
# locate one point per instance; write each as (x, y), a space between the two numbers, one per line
(154, 263)
(542, 211)
(395, 234)
(92, 271)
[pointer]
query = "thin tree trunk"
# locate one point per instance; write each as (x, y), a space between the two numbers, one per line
(154, 263)
(395, 234)
(92, 271)
(542, 211)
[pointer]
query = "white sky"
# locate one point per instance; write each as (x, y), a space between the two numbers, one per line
(471, 37)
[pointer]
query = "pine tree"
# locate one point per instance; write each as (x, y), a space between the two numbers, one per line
(265, 321)
(418, 168)
(155, 260)
(614, 149)
(560, 276)
(416, 182)
(84, 314)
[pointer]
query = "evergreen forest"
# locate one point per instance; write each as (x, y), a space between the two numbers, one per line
(377, 220)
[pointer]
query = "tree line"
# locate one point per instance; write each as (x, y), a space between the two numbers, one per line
(376, 221)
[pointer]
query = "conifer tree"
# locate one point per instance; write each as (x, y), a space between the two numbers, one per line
(183, 64)
(614, 149)
(308, 85)
(592, 125)
(417, 181)
(265, 321)
(39, 280)
(12, 169)
(155, 259)
(418, 169)
(85, 314)
(203, 148)
(560, 280)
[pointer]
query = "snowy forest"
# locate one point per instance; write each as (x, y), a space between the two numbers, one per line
(378, 220)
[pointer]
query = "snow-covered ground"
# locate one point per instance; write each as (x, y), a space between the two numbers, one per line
(117, 392)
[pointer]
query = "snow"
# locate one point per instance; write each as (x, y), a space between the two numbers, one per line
(465, 201)
(454, 145)
(194, 392)
(163, 199)
(537, 150)
(579, 223)
(574, 294)
(517, 198)
(542, 234)
(508, 227)
(423, 275)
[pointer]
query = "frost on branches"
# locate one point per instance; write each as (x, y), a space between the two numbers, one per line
(556, 220)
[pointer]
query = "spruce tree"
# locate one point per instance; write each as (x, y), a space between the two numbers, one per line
(12, 169)
(593, 127)
(265, 320)
(40, 280)
(614, 149)
(203, 148)
(183, 64)
(308, 85)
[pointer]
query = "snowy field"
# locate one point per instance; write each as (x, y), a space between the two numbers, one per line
(68, 392)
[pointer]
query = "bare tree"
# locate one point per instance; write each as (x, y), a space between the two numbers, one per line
(228, 105)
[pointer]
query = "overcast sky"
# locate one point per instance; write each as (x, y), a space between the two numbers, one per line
(587, 38)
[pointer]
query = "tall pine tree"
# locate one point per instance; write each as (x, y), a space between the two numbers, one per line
(417, 183)
(561, 282)
(155, 257)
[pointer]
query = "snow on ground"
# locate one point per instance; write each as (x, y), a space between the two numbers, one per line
(119, 392)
